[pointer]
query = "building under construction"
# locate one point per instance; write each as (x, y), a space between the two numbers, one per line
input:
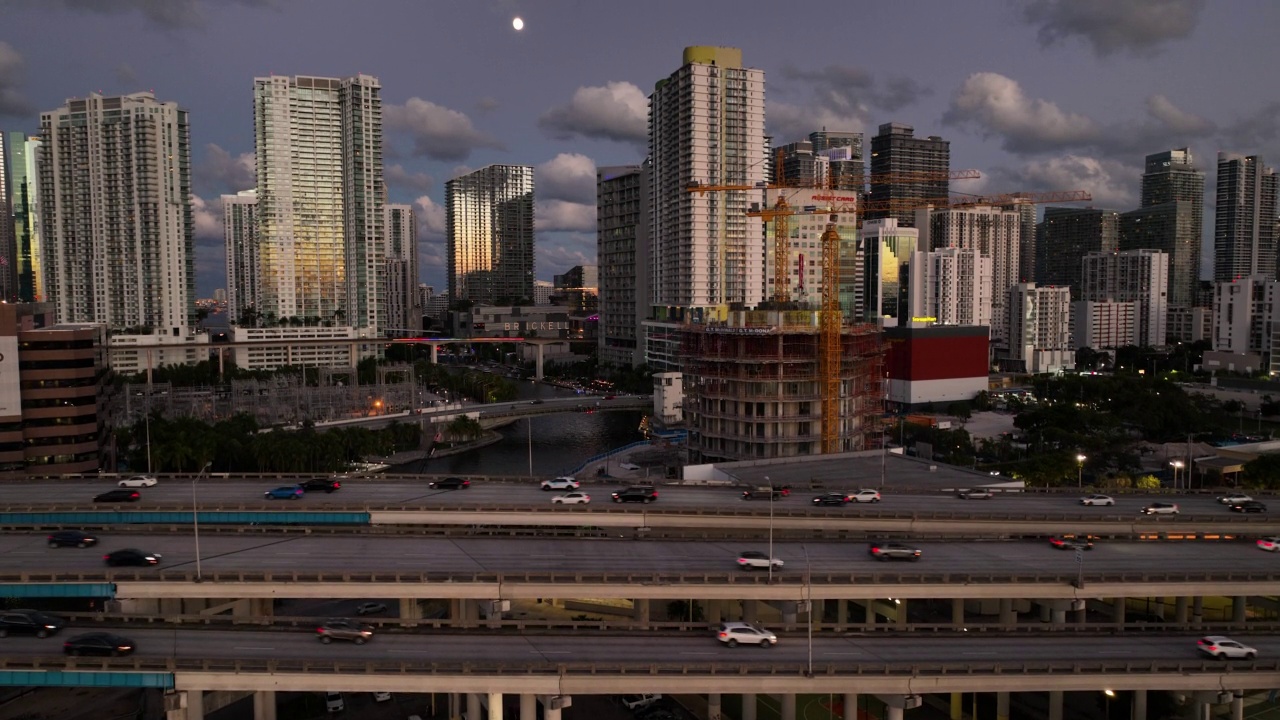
(754, 386)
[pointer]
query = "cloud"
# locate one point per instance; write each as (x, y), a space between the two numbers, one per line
(995, 105)
(1140, 27)
(432, 229)
(126, 75)
(12, 74)
(1258, 133)
(487, 105)
(561, 251)
(168, 14)
(224, 173)
(208, 220)
(618, 111)
(567, 176)
(556, 215)
(1113, 184)
(840, 98)
(1175, 119)
(398, 176)
(438, 132)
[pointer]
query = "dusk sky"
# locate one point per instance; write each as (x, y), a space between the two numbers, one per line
(1036, 94)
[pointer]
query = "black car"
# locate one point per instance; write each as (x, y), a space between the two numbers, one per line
(121, 495)
(131, 556)
(29, 622)
(1253, 506)
(98, 643)
(450, 483)
(776, 492)
(327, 485)
(74, 538)
(832, 499)
(642, 494)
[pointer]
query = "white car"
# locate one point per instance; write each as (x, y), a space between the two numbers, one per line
(1223, 647)
(1234, 499)
(333, 702)
(734, 633)
(382, 697)
(1270, 544)
(560, 483)
(1160, 508)
(865, 496)
(628, 466)
(752, 560)
(1097, 500)
(573, 498)
(639, 702)
(137, 481)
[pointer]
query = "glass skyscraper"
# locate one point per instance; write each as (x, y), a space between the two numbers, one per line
(489, 216)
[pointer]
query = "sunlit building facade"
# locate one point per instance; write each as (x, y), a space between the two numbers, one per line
(489, 219)
(887, 251)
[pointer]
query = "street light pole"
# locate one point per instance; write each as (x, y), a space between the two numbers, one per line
(529, 428)
(766, 480)
(1080, 471)
(195, 518)
(808, 603)
(884, 452)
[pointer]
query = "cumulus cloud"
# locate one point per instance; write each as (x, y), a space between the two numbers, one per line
(1140, 27)
(565, 250)
(487, 105)
(840, 98)
(1176, 119)
(431, 217)
(1258, 133)
(126, 75)
(437, 131)
(617, 111)
(224, 173)
(208, 220)
(995, 105)
(397, 176)
(12, 72)
(1113, 184)
(169, 14)
(556, 215)
(567, 176)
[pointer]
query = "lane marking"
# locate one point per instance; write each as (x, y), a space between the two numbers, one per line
(253, 647)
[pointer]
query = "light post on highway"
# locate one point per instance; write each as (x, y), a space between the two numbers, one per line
(1080, 471)
(808, 603)
(766, 480)
(1177, 465)
(195, 518)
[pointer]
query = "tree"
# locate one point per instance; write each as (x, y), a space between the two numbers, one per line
(1263, 472)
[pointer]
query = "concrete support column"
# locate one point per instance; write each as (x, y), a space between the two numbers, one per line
(892, 713)
(789, 706)
(1237, 705)
(957, 611)
(528, 707)
(1059, 617)
(1055, 705)
(435, 353)
(1046, 613)
(1204, 711)
(1117, 610)
(495, 706)
(817, 611)
(1007, 614)
(788, 612)
(1082, 612)
(184, 705)
(870, 607)
(1002, 706)
(750, 610)
(550, 714)
(263, 607)
(842, 613)
(850, 706)
(1197, 611)
(749, 704)
(714, 610)
(410, 611)
(455, 706)
(1139, 705)
(1180, 610)
(473, 707)
(1238, 606)
(713, 706)
(640, 611)
(902, 613)
(957, 706)
(537, 372)
(264, 705)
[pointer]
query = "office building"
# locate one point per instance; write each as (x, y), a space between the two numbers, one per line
(240, 233)
(1104, 324)
(1171, 220)
(950, 286)
(318, 143)
(1140, 276)
(887, 251)
(1039, 329)
(804, 268)
(578, 289)
(829, 160)
(896, 151)
(1244, 237)
(542, 290)
(995, 233)
(706, 125)
(121, 255)
(622, 254)
(20, 154)
(1065, 236)
(489, 218)
(1027, 235)
(404, 312)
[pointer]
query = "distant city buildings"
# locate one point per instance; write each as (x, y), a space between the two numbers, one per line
(949, 286)
(240, 234)
(489, 218)
(1065, 237)
(404, 311)
(896, 151)
(622, 257)
(1171, 220)
(1039, 329)
(21, 276)
(1137, 276)
(996, 234)
(121, 254)
(1244, 237)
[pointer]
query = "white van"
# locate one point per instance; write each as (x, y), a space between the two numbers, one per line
(333, 702)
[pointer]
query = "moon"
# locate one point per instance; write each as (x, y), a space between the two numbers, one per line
(517, 23)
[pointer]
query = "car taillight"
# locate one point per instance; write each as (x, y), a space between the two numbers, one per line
(106, 557)
(723, 635)
(655, 494)
(337, 485)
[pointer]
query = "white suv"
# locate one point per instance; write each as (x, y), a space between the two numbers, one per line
(732, 633)
(752, 560)
(1224, 647)
(865, 496)
(560, 483)
(639, 702)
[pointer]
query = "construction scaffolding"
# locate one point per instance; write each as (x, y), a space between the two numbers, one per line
(755, 385)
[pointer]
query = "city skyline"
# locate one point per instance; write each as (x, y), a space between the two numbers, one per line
(1043, 95)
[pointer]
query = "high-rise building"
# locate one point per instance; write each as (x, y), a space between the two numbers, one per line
(830, 160)
(950, 286)
(993, 232)
(116, 217)
(1040, 329)
(804, 271)
(1244, 237)
(1065, 236)
(489, 215)
(11, 143)
(887, 251)
(622, 254)
(404, 312)
(1170, 220)
(1140, 276)
(896, 150)
(1104, 324)
(240, 232)
(1026, 209)
(19, 159)
(318, 142)
(706, 125)
(1244, 312)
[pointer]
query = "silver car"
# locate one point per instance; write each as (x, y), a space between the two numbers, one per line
(735, 633)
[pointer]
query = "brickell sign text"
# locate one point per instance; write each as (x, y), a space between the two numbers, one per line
(527, 326)
(10, 392)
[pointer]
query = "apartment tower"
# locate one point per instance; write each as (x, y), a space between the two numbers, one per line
(18, 155)
(622, 244)
(489, 215)
(995, 233)
(1244, 237)
(1171, 220)
(116, 219)
(240, 232)
(404, 312)
(1140, 276)
(1065, 236)
(896, 151)
(320, 198)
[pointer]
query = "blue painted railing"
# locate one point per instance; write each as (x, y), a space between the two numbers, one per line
(86, 678)
(173, 517)
(60, 590)
(602, 456)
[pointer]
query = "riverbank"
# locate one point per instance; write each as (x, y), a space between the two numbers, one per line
(440, 450)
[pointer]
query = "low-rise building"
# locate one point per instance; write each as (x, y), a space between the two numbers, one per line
(278, 347)
(132, 354)
(939, 364)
